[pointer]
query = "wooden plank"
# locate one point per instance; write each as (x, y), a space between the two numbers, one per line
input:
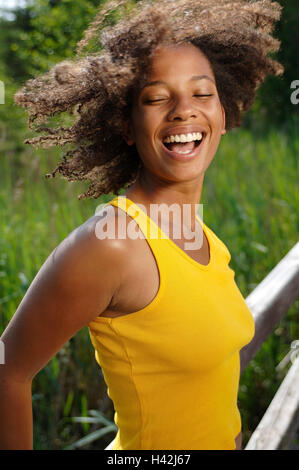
(281, 420)
(270, 301)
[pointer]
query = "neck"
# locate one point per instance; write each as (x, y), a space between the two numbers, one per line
(180, 199)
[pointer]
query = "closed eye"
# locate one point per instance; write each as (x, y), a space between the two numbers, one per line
(154, 101)
(162, 99)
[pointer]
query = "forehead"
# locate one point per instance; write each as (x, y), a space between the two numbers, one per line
(179, 61)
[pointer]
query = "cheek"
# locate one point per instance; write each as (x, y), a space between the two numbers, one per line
(144, 127)
(213, 112)
(218, 116)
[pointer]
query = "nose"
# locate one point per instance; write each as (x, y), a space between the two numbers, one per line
(183, 110)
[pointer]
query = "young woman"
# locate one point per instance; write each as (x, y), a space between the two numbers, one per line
(167, 320)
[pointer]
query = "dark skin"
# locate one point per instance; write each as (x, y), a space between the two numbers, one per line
(177, 102)
(83, 276)
(180, 102)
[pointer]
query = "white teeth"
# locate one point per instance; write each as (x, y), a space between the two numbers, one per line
(183, 137)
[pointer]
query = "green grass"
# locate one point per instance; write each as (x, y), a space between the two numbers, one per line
(251, 202)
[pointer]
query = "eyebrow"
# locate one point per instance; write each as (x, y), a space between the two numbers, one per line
(195, 77)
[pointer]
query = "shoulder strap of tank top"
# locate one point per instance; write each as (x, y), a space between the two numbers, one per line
(150, 229)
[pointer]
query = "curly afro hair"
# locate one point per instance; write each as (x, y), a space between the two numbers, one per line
(97, 88)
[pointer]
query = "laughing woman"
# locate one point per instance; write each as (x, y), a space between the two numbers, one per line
(166, 319)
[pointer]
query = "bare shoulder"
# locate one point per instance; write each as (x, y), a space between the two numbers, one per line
(82, 256)
(74, 285)
(111, 224)
(92, 257)
(94, 238)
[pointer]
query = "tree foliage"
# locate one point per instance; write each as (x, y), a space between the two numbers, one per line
(46, 32)
(273, 103)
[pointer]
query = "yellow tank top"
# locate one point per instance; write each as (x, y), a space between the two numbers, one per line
(172, 369)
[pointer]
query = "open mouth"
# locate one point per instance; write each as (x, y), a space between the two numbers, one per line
(184, 148)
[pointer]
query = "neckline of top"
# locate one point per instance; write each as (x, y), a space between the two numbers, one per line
(173, 244)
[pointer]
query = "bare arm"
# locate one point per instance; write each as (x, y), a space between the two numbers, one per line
(238, 441)
(74, 285)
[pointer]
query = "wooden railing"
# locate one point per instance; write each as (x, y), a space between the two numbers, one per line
(281, 420)
(269, 302)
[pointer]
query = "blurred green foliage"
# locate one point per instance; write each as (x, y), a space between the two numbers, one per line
(46, 31)
(273, 105)
(42, 34)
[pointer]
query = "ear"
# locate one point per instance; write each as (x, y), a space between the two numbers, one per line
(127, 133)
(224, 120)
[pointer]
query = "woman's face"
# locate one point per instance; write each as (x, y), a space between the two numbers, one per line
(180, 98)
